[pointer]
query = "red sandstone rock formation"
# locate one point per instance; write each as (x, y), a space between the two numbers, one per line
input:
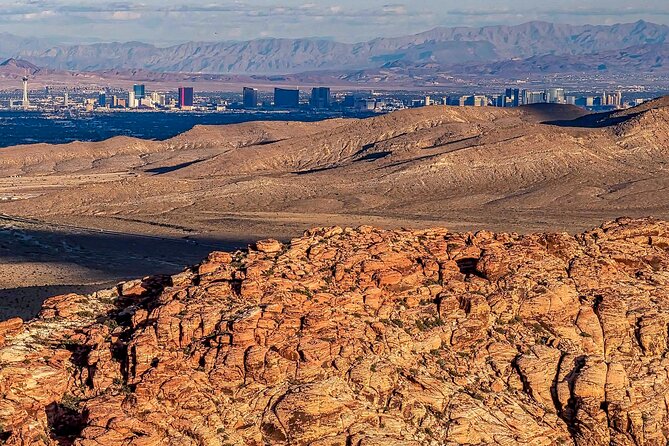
(360, 337)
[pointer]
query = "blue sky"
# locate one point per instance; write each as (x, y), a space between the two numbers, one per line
(171, 21)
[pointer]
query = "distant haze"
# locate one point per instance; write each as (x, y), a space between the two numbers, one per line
(172, 21)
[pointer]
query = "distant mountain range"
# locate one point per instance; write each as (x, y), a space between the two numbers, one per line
(653, 58)
(11, 45)
(534, 45)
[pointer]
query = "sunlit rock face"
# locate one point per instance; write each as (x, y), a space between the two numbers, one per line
(360, 337)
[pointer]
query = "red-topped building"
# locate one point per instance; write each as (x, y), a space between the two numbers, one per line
(186, 98)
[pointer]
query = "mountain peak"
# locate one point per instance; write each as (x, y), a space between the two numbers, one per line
(19, 64)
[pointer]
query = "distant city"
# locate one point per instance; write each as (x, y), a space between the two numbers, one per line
(140, 98)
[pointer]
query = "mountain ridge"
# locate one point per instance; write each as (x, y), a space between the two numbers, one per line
(270, 56)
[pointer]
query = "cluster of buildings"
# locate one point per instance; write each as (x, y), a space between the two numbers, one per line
(135, 98)
(287, 98)
(322, 98)
(319, 99)
(514, 97)
(139, 98)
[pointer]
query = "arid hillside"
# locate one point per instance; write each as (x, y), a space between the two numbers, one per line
(536, 168)
(360, 337)
(533, 168)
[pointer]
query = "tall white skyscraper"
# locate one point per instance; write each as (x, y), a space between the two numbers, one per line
(25, 103)
(66, 100)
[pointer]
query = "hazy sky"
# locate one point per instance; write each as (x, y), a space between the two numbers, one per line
(168, 21)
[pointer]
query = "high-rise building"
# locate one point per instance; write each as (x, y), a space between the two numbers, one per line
(25, 101)
(132, 101)
(102, 99)
(512, 97)
(146, 103)
(614, 99)
(533, 97)
(320, 97)
(250, 97)
(286, 98)
(475, 101)
(66, 100)
(368, 104)
(186, 96)
(140, 91)
(157, 98)
(349, 101)
(555, 96)
(618, 101)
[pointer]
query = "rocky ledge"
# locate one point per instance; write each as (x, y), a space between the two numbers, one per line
(360, 337)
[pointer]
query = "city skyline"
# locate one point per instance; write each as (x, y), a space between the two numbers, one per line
(321, 98)
(174, 21)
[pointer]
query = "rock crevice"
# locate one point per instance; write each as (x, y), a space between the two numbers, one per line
(360, 337)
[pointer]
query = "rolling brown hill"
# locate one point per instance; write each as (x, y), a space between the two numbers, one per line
(527, 169)
(361, 337)
(520, 169)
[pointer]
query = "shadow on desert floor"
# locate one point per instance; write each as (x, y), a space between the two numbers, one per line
(36, 264)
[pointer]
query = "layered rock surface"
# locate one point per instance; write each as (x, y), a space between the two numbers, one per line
(360, 337)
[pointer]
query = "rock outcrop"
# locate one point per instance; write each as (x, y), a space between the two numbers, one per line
(360, 337)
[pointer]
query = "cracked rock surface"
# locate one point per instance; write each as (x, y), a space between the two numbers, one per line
(360, 337)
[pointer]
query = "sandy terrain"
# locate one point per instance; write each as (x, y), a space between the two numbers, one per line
(526, 169)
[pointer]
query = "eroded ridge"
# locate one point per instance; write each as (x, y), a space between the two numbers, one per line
(360, 337)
